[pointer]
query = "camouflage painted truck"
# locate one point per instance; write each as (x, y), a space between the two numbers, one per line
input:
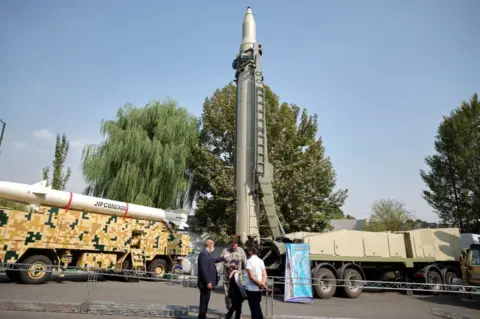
(60, 238)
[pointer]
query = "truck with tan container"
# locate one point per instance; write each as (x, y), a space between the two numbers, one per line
(345, 256)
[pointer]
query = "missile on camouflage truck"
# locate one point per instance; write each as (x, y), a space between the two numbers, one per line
(40, 194)
(253, 171)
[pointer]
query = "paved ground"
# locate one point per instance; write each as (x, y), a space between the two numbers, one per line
(369, 305)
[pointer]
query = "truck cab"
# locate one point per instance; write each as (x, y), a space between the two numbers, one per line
(470, 265)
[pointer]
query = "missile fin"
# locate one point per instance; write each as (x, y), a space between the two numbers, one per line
(41, 184)
(40, 188)
(35, 207)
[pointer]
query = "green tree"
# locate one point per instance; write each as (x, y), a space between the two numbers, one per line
(5, 203)
(144, 159)
(59, 179)
(304, 179)
(388, 215)
(337, 213)
(453, 179)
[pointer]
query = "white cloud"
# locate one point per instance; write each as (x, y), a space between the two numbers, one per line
(77, 143)
(44, 134)
(20, 145)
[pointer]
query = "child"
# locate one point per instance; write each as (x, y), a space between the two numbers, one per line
(236, 291)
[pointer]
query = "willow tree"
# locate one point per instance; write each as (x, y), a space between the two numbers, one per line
(144, 158)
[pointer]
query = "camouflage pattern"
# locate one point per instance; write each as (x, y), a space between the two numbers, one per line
(107, 239)
(92, 260)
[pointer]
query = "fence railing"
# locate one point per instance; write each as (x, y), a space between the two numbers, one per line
(90, 305)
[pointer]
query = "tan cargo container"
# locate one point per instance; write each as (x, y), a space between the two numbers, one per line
(422, 255)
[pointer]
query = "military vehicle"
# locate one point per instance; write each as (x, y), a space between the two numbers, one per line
(423, 255)
(49, 237)
(470, 266)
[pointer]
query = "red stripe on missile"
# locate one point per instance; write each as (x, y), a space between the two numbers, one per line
(69, 202)
(126, 212)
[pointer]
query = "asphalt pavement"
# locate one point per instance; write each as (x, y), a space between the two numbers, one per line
(372, 305)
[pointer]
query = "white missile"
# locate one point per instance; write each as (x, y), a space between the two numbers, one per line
(40, 194)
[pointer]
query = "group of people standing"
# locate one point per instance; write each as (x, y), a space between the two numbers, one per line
(235, 262)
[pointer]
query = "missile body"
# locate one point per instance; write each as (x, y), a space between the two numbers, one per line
(253, 171)
(249, 80)
(39, 194)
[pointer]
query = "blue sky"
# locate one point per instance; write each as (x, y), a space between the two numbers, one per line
(380, 75)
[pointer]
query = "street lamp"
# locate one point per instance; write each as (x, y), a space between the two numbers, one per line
(3, 130)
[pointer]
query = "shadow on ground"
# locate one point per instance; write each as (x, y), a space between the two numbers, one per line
(67, 278)
(458, 300)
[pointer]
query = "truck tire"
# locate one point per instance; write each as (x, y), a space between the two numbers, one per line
(37, 272)
(435, 281)
(158, 268)
(128, 275)
(449, 277)
(325, 290)
(352, 289)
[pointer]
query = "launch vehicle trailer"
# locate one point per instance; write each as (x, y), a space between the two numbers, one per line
(425, 255)
(57, 238)
(346, 256)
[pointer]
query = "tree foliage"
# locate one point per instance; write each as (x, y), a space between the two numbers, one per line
(453, 179)
(389, 215)
(337, 213)
(304, 179)
(5, 203)
(59, 179)
(144, 158)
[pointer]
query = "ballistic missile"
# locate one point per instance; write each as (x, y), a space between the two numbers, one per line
(253, 171)
(245, 66)
(40, 194)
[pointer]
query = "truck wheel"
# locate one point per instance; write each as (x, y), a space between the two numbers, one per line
(157, 268)
(325, 283)
(37, 272)
(352, 288)
(128, 275)
(13, 275)
(450, 276)
(435, 281)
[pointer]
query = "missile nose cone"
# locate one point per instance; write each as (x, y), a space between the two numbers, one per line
(249, 34)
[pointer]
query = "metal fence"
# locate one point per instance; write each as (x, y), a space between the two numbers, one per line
(92, 306)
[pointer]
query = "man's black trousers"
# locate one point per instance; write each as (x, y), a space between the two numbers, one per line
(204, 300)
(254, 300)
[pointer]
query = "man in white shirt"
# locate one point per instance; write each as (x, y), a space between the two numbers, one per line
(256, 282)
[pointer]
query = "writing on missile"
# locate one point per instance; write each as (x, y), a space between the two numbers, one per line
(111, 206)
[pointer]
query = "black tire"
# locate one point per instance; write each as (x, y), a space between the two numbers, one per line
(352, 289)
(433, 277)
(38, 270)
(324, 290)
(449, 276)
(13, 275)
(158, 268)
(128, 275)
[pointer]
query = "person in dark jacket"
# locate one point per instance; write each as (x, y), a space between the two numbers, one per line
(207, 276)
(236, 291)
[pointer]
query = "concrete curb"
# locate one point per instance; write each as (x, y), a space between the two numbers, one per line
(126, 309)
